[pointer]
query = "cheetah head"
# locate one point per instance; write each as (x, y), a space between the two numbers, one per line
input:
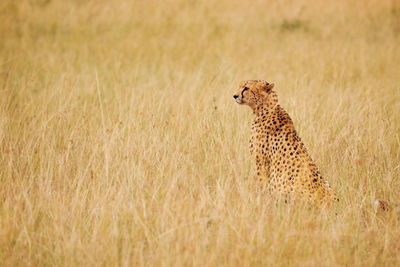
(255, 93)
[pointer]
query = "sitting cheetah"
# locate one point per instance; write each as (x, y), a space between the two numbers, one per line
(283, 164)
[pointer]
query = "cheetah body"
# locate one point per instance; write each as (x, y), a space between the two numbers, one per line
(282, 162)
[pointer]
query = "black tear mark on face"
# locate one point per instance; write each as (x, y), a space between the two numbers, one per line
(244, 90)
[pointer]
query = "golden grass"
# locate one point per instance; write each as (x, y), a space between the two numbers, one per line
(120, 142)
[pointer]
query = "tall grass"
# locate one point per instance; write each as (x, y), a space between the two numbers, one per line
(120, 142)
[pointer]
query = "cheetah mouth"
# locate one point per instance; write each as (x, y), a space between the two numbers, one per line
(238, 101)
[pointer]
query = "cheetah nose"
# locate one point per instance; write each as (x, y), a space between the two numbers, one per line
(235, 96)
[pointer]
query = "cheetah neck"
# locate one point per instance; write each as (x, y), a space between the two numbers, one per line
(264, 109)
(266, 104)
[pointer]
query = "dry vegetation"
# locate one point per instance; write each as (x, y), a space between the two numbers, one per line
(120, 142)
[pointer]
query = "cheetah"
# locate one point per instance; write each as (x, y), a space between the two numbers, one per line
(283, 164)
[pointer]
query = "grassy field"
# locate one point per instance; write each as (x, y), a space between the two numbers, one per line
(120, 142)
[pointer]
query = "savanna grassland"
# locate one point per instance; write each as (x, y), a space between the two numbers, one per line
(120, 142)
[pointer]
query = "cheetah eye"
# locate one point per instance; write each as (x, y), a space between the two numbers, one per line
(244, 89)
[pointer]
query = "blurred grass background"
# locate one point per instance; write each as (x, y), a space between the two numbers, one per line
(120, 142)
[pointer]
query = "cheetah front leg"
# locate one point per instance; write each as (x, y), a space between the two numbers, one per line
(263, 171)
(261, 163)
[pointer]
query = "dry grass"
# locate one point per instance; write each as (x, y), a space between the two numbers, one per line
(120, 142)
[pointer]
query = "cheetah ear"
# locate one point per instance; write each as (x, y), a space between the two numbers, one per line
(268, 86)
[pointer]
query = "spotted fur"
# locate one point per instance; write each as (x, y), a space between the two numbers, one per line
(283, 164)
